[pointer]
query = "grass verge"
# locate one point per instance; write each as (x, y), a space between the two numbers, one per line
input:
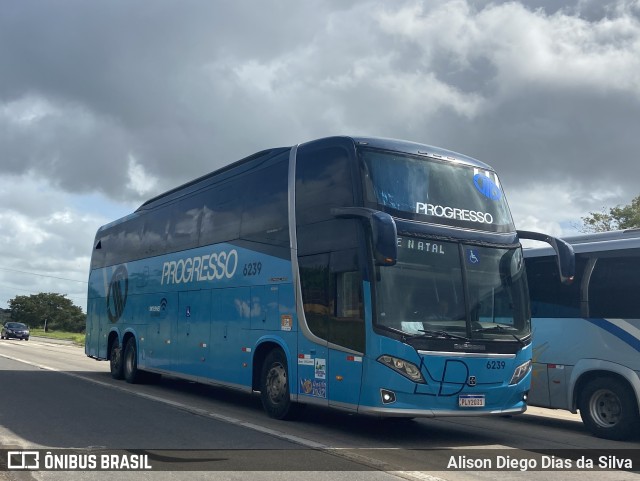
(77, 338)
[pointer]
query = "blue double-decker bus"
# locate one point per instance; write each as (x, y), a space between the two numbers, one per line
(371, 275)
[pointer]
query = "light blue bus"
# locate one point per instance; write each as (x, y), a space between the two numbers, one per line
(586, 336)
(375, 276)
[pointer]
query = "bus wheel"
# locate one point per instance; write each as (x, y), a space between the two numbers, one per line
(274, 386)
(130, 362)
(608, 408)
(115, 360)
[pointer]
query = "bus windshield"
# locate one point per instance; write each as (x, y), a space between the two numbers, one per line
(440, 192)
(454, 291)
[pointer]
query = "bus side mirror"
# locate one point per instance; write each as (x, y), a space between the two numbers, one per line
(384, 235)
(565, 257)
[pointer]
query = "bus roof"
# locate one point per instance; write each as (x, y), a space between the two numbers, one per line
(207, 179)
(419, 149)
(601, 241)
(259, 157)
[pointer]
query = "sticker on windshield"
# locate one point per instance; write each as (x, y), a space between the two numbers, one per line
(473, 256)
(487, 187)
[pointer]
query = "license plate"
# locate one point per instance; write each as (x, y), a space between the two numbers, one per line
(471, 401)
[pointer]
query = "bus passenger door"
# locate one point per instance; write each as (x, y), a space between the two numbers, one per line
(347, 334)
(328, 371)
(313, 330)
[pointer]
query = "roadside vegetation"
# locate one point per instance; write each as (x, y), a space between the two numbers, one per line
(49, 315)
(619, 217)
(77, 338)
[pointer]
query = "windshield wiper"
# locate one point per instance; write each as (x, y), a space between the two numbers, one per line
(396, 331)
(425, 333)
(441, 333)
(501, 328)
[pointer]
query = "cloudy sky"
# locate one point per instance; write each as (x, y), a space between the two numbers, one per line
(106, 103)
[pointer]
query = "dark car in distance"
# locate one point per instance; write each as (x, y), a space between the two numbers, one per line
(17, 330)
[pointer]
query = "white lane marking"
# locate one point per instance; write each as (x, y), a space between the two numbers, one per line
(357, 458)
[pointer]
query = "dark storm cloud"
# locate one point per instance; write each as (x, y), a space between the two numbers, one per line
(153, 80)
(108, 102)
(180, 88)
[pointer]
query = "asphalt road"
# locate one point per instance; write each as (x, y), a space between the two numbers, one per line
(54, 397)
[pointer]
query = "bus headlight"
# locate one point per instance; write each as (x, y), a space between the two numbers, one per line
(406, 368)
(521, 371)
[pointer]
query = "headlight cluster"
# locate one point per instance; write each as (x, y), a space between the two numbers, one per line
(406, 368)
(521, 371)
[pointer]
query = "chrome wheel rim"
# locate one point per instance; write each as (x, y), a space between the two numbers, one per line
(605, 408)
(277, 383)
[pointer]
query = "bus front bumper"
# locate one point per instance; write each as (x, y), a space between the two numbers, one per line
(428, 413)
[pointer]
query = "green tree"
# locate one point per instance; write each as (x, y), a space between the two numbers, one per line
(619, 217)
(50, 311)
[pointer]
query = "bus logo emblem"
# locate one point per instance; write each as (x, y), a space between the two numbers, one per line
(117, 295)
(472, 381)
(487, 187)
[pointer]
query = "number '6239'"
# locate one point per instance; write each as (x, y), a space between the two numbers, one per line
(252, 269)
(496, 364)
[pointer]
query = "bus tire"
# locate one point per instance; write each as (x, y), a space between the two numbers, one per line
(274, 386)
(130, 362)
(115, 360)
(608, 408)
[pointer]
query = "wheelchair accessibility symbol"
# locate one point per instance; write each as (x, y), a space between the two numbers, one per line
(473, 257)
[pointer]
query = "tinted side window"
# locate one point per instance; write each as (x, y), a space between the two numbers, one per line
(265, 218)
(326, 236)
(222, 213)
(549, 297)
(123, 242)
(97, 257)
(332, 298)
(184, 224)
(614, 288)
(323, 181)
(156, 223)
(251, 206)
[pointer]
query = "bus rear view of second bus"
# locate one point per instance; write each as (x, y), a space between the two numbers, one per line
(586, 336)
